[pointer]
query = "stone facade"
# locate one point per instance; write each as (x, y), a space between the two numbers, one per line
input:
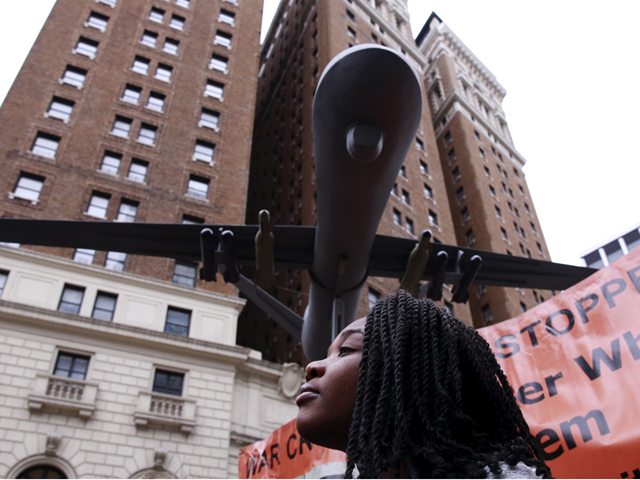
(111, 420)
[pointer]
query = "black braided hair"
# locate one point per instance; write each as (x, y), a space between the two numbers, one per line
(432, 401)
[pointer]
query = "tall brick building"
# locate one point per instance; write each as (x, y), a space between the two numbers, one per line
(475, 196)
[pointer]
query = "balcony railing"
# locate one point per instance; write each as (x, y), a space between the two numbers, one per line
(77, 396)
(161, 409)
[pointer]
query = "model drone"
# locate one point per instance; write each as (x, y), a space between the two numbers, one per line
(366, 112)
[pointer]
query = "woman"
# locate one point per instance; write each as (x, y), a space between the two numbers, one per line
(412, 391)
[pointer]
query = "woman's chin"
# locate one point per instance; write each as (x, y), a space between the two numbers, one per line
(324, 437)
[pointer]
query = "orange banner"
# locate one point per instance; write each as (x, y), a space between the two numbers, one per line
(573, 362)
(284, 454)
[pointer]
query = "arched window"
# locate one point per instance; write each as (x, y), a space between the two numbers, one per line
(42, 471)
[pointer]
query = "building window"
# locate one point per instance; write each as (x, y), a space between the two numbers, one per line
(71, 299)
(351, 16)
(493, 191)
(115, 261)
(141, 65)
(214, 89)
(198, 187)
(504, 234)
(86, 47)
(397, 217)
(465, 215)
(98, 205)
(185, 273)
(111, 163)
(456, 174)
(204, 151)
(183, 3)
(127, 212)
(222, 38)
(403, 171)
(447, 138)
(61, 109)
(523, 307)
(452, 155)
(460, 194)
(150, 39)
(470, 237)
(191, 220)
(209, 119)
(147, 134)
(111, 3)
(163, 73)
(428, 192)
(156, 15)
(138, 170)
(498, 212)
(394, 189)
(405, 197)
(45, 145)
(28, 187)
(169, 383)
(515, 171)
(227, 17)
(84, 255)
(155, 101)
(131, 94)
(171, 46)
(105, 306)
(121, 127)
(424, 168)
(219, 63)
(420, 145)
(71, 365)
(373, 296)
(487, 172)
(540, 249)
(351, 33)
(177, 321)
(409, 226)
(177, 22)
(97, 21)
(74, 76)
(433, 218)
(3, 280)
(486, 314)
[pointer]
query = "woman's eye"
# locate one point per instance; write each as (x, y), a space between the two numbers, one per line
(344, 351)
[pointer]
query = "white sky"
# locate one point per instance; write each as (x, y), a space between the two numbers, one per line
(572, 104)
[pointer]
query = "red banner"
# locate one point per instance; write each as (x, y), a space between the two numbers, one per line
(285, 454)
(573, 362)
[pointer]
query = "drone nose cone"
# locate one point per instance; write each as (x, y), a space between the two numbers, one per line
(364, 142)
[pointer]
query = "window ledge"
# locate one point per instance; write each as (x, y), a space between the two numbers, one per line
(193, 197)
(147, 144)
(204, 125)
(93, 216)
(228, 47)
(195, 158)
(165, 410)
(76, 396)
(13, 196)
(213, 96)
(119, 136)
(88, 25)
(77, 52)
(110, 4)
(146, 74)
(225, 71)
(48, 115)
(62, 81)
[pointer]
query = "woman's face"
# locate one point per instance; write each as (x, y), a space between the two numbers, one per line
(328, 398)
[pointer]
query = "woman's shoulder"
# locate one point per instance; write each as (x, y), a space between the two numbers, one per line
(520, 470)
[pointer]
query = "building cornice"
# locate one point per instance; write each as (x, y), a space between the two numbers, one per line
(443, 34)
(455, 97)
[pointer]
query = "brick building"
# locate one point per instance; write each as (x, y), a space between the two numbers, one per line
(432, 192)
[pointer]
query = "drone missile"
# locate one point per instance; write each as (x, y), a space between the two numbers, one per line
(366, 113)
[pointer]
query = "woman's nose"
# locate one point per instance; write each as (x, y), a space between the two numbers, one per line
(314, 369)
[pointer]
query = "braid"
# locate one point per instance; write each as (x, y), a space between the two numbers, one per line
(432, 400)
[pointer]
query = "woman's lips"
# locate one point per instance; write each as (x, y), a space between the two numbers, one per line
(307, 392)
